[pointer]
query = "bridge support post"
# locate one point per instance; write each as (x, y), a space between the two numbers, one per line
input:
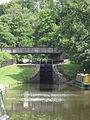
(56, 57)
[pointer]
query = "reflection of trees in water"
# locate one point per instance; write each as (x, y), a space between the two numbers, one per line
(58, 104)
(60, 87)
(53, 87)
(70, 109)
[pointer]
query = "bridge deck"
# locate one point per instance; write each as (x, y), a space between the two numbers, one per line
(32, 50)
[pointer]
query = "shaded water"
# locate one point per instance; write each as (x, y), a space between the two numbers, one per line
(44, 102)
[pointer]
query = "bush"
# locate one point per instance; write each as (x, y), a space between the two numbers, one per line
(4, 56)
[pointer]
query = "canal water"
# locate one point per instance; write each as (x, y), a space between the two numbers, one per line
(45, 102)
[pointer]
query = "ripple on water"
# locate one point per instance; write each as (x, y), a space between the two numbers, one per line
(42, 97)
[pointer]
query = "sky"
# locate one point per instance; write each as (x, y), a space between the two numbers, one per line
(4, 1)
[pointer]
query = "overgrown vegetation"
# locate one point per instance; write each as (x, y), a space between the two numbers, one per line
(4, 56)
(16, 74)
(71, 69)
(51, 23)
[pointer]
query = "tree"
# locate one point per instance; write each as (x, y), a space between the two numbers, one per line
(6, 38)
(51, 23)
(45, 29)
(19, 22)
(73, 28)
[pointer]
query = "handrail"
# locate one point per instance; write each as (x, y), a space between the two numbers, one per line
(3, 115)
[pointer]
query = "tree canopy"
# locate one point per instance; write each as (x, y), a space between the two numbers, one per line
(50, 23)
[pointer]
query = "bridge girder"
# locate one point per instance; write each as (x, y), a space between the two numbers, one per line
(53, 53)
(28, 50)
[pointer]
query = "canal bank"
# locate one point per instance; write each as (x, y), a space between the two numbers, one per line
(26, 73)
(16, 74)
(29, 73)
(70, 70)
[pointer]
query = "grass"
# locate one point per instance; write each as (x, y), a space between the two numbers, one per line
(16, 74)
(71, 69)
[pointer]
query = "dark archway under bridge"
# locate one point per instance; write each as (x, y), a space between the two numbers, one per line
(53, 53)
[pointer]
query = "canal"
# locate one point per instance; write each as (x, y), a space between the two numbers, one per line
(44, 102)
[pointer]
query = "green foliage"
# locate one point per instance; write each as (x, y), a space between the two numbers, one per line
(29, 56)
(62, 24)
(18, 26)
(22, 56)
(71, 69)
(18, 58)
(45, 30)
(74, 31)
(4, 56)
(6, 38)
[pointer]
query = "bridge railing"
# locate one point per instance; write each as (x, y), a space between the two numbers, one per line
(30, 50)
(3, 115)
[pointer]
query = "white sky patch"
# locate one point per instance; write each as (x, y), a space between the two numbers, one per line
(4, 1)
(55, 0)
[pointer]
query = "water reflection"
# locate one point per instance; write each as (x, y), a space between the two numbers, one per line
(53, 87)
(46, 87)
(57, 103)
(26, 96)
